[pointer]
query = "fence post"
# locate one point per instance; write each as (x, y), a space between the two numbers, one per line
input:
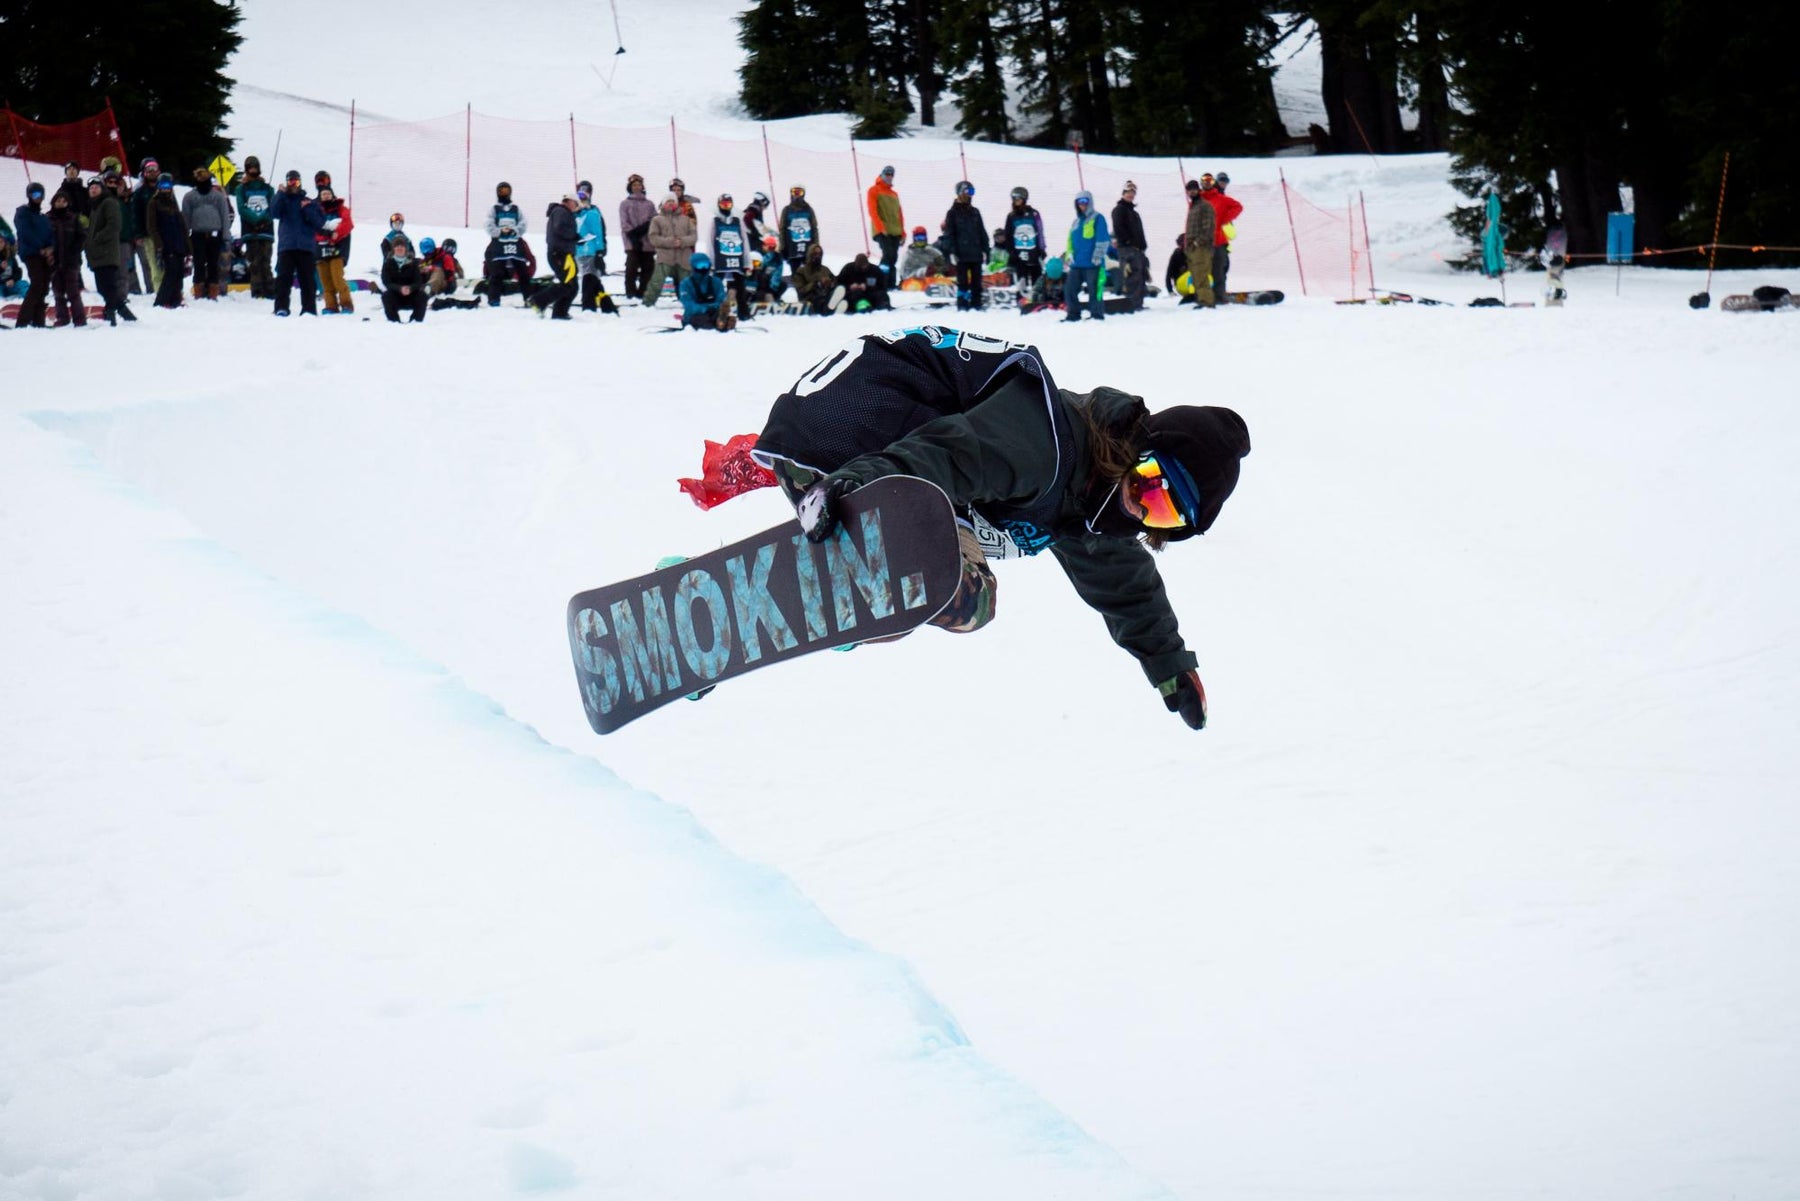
(856, 172)
(963, 157)
(674, 147)
(769, 166)
(1292, 235)
(119, 137)
(12, 119)
(1368, 250)
(350, 171)
(468, 155)
(1080, 176)
(574, 162)
(1712, 251)
(1181, 170)
(1350, 228)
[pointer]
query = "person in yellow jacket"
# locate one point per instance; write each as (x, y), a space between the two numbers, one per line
(886, 221)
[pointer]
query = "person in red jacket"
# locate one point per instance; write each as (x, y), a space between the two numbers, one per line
(1226, 210)
(332, 240)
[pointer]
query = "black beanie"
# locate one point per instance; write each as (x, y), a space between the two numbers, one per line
(1208, 441)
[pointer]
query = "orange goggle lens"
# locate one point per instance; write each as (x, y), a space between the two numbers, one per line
(1154, 493)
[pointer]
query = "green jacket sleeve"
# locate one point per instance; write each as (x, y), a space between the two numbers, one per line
(1119, 580)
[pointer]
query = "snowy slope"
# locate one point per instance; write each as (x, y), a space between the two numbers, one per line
(315, 882)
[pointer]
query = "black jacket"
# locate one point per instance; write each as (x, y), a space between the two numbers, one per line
(560, 234)
(396, 274)
(983, 420)
(1128, 227)
(965, 234)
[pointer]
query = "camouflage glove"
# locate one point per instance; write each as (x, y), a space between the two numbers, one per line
(1184, 694)
(818, 509)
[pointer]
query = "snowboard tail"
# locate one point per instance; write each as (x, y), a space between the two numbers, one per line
(890, 567)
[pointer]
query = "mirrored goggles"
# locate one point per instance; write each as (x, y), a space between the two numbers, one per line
(1165, 493)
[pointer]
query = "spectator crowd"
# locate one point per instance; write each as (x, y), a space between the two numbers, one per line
(281, 242)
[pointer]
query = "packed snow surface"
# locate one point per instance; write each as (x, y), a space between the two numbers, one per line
(314, 882)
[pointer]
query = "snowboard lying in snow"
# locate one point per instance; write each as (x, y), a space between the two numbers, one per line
(10, 312)
(891, 565)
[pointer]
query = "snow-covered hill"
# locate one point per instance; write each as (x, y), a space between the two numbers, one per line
(314, 882)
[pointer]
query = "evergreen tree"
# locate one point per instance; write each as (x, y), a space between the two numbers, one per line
(168, 86)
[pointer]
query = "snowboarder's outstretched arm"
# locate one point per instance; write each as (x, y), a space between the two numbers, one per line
(1119, 580)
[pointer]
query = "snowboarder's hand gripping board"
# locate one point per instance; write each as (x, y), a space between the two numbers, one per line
(889, 565)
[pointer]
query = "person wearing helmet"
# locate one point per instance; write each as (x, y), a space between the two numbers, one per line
(36, 249)
(508, 260)
(798, 229)
(887, 222)
(1023, 239)
(254, 196)
(684, 202)
(673, 236)
(768, 278)
(1088, 241)
(922, 260)
(1095, 478)
(702, 296)
(966, 246)
(590, 248)
(561, 238)
(731, 256)
(756, 227)
(1226, 211)
(636, 212)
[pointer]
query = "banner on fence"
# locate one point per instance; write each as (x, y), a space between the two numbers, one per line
(86, 142)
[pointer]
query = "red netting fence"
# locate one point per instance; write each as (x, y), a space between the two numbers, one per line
(86, 142)
(444, 171)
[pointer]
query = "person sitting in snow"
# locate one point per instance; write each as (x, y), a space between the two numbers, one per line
(922, 259)
(865, 286)
(701, 294)
(1095, 478)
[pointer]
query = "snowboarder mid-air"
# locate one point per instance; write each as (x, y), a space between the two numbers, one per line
(1095, 477)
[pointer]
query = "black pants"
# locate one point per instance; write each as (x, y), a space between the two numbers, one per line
(174, 270)
(393, 303)
(638, 265)
(296, 267)
(1134, 265)
(33, 310)
(206, 260)
(499, 272)
(890, 254)
(1221, 268)
(106, 279)
(968, 285)
(559, 293)
(65, 283)
(590, 293)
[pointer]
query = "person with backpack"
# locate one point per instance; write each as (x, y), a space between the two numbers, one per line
(966, 242)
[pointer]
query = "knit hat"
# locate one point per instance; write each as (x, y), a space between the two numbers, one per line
(149, 164)
(1207, 441)
(293, 177)
(253, 163)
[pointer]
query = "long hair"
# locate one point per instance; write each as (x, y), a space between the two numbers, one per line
(1113, 454)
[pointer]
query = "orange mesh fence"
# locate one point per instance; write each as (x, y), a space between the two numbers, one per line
(85, 142)
(442, 173)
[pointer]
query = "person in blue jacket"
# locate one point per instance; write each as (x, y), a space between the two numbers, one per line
(590, 248)
(32, 225)
(299, 221)
(701, 294)
(1088, 242)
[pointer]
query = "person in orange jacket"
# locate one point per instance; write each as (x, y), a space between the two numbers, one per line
(886, 221)
(1226, 210)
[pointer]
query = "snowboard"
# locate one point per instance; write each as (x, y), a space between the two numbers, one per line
(1772, 300)
(891, 565)
(1114, 304)
(10, 312)
(1269, 296)
(1556, 259)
